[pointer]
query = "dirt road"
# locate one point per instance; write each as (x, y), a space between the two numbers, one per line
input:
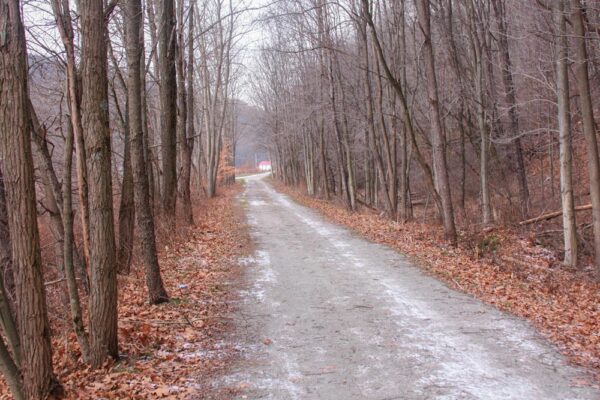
(328, 315)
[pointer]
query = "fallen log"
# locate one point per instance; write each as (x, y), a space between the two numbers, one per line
(363, 203)
(554, 214)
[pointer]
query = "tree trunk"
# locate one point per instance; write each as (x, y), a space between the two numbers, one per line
(168, 109)
(405, 200)
(9, 364)
(17, 164)
(438, 136)
(62, 14)
(183, 121)
(371, 138)
(151, 153)
(126, 208)
(145, 221)
(187, 149)
(7, 282)
(69, 270)
(587, 114)
(564, 129)
(406, 114)
(509, 88)
(52, 191)
(94, 104)
(11, 373)
(477, 45)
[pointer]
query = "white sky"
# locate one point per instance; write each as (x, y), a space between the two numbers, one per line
(250, 42)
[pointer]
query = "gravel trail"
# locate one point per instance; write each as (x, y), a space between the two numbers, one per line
(328, 315)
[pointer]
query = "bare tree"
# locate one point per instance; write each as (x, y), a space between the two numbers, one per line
(186, 113)
(589, 125)
(69, 249)
(62, 15)
(17, 165)
(438, 135)
(94, 105)
(509, 88)
(145, 221)
(168, 108)
(564, 131)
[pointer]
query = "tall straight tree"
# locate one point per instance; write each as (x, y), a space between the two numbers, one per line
(143, 209)
(478, 30)
(186, 128)
(564, 132)
(62, 15)
(438, 136)
(168, 108)
(69, 249)
(511, 99)
(17, 164)
(94, 105)
(587, 115)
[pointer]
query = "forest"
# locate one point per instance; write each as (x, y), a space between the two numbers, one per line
(472, 112)
(121, 121)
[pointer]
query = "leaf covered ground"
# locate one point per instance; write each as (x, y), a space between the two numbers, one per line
(498, 267)
(169, 350)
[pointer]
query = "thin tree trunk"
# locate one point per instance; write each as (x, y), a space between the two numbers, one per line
(372, 140)
(587, 114)
(151, 157)
(186, 172)
(52, 202)
(182, 123)
(126, 219)
(322, 81)
(69, 270)
(7, 282)
(62, 14)
(406, 114)
(564, 128)
(145, 221)
(509, 88)
(438, 135)
(477, 55)
(405, 200)
(11, 373)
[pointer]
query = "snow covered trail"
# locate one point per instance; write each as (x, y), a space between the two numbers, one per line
(328, 315)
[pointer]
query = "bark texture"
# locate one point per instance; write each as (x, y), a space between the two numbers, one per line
(168, 109)
(17, 164)
(94, 104)
(145, 221)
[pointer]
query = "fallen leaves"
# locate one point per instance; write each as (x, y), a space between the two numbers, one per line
(169, 350)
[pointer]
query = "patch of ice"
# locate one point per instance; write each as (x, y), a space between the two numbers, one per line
(263, 258)
(245, 261)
